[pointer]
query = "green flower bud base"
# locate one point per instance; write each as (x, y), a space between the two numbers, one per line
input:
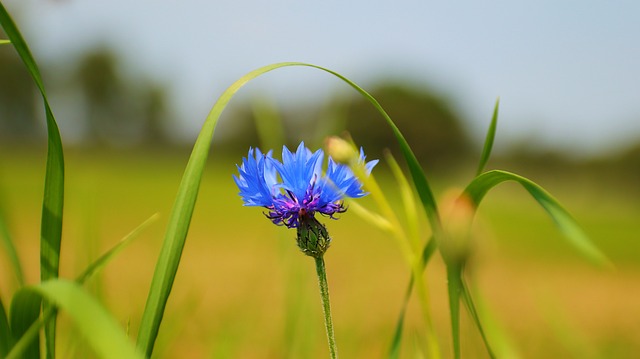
(313, 238)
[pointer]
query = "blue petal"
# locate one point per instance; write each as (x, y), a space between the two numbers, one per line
(257, 179)
(299, 170)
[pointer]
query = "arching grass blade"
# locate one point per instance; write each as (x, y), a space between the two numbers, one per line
(52, 203)
(179, 220)
(479, 187)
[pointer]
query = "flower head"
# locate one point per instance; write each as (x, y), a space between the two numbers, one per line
(295, 189)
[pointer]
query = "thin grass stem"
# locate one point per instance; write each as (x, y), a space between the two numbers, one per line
(326, 307)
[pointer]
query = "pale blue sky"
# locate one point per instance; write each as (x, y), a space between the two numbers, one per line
(567, 72)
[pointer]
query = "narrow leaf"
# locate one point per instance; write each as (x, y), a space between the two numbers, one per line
(479, 187)
(2, 42)
(488, 142)
(102, 332)
(25, 310)
(180, 218)
(454, 287)
(52, 203)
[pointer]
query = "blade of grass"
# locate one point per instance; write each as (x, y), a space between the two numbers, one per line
(180, 218)
(24, 312)
(52, 203)
(488, 142)
(454, 287)
(479, 187)
(102, 332)
(394, 348)
(6, 339)
(2, 42)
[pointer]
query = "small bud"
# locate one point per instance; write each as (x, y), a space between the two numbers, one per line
(458, 211)
(313, 238)
(341, 151)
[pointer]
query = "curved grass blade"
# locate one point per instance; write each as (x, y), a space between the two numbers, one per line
(479, 187)
(6, 339)
(101, 331)
(24, 312)
(180, 218)
(52, 203)
(488, 142)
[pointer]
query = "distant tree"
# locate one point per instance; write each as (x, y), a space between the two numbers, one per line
(18, 120)
(432, 129)
(120, 110)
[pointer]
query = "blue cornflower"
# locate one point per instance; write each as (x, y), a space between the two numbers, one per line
(301, 190)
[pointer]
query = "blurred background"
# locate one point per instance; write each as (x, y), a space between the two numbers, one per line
(131, 82)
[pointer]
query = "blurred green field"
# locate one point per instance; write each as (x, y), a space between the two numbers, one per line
(244, 291)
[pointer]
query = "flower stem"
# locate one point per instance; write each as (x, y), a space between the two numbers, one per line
(326, 307)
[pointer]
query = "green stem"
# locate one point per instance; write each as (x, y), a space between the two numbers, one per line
(326, 307)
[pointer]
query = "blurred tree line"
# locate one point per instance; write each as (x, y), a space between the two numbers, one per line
(114, 109)
(108, 108)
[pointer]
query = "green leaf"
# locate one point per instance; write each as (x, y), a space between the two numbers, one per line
(180, 218)
(479, 187)
(25, 310)
(2, 42)
(102, 332)
(488, 142)
(454, 287)
(6, 339)
(52, 203)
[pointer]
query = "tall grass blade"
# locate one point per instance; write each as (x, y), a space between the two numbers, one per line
(479, 187)
(454, 287)
(6, 339)
(488, 142)
(394, 348)
(51, 226)
(180, 218)
(103, 333)
(24, 312)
